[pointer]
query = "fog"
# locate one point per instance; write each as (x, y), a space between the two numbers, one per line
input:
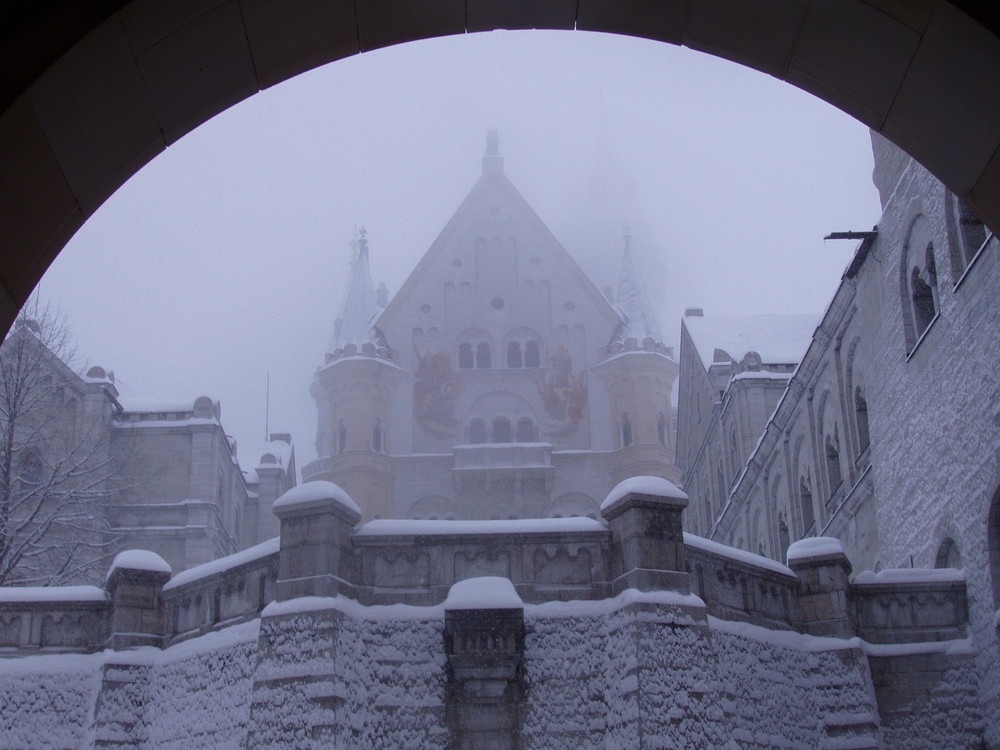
(222, 262)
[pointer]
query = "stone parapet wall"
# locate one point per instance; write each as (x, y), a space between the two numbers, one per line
(46, 620)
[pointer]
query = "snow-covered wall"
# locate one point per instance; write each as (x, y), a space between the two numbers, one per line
(639, 670)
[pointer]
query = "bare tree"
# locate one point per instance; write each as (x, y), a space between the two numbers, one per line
(58, 471)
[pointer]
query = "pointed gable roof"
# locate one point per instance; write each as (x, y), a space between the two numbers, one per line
(492, 181)
(360, 306)
(633, 303)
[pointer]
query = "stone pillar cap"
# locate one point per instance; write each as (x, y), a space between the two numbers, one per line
(314, 495)
(649, 488)
(815, 550)
(484, 592)
(140, 560)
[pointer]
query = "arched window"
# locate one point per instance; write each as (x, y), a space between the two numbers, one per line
(948, 555)
(525, 430)
(341, 436)
(833, 473)
(465, 356)
(377, 436)
(720, 480)
(477, 431)
(532, 355)
(861, 412)
(514, 354)
(626, 431)
(918, 283)
(734, 452)
(501, 430)
(806, 503)
(661, 429)
(484, 360)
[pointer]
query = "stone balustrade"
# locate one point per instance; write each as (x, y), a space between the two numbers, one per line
(638, 544)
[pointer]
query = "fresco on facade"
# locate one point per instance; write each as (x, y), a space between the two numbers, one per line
(564, 395)
(436, 388)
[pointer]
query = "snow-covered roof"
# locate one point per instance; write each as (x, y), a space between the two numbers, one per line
(281, 450)
(778, 339)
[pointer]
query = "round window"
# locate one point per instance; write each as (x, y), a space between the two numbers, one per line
(498, 303)
(425, 308)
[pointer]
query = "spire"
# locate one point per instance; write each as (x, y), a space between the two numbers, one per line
(360, 307)
(492, 161)
(633, 302)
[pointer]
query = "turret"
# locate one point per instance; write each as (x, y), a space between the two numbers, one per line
(352, 392)
(639, 372)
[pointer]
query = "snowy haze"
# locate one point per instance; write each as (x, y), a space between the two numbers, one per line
(224, 259)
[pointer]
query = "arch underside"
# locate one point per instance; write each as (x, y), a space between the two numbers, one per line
(109, 85)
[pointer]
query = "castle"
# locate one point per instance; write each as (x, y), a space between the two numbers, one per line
(506, 559)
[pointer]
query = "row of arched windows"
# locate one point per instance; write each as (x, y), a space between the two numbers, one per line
(502, 430)
(479, 355)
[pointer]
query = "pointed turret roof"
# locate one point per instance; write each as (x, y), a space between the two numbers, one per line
(633, 302)
(360, 307)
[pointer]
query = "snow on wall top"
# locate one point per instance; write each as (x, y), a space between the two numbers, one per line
(910, 575)
(140, 559)
(778, 339)
(403, 527)
(734, 553)
(316, 490)
(642, 486)
(485, 592)
(270, 547)
(815, 546)
(52, 594)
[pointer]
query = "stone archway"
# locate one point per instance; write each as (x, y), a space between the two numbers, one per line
(92, 90)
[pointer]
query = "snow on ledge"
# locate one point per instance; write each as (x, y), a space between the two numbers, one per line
(603, 607)
(484, 592)
(320, 489)
(815, 546)
(270, 547)
(911, 575)
(10, 594)
(749, 558)
(140, 559)
(642, 486)
(403, 527)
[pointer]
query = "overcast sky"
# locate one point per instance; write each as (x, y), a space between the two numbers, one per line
(224, 259)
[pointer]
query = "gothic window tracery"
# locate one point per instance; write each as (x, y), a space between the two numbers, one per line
(806, 503)
(626, 431)
(832, 450)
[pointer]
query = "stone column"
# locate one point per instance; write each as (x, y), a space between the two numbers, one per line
(316, 558)
(823, 570)
(134, 583)
(647, 537)
(484, 641)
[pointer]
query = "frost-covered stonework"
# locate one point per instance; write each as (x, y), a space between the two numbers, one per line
(642, 678)
(328, 677)
(47, 701)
